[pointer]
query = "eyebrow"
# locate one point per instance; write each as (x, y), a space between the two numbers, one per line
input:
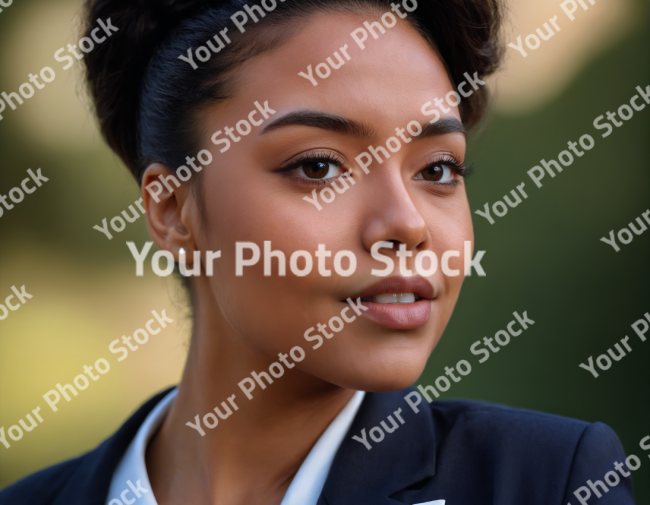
(345, 126)
(322, 120)
(442, 127)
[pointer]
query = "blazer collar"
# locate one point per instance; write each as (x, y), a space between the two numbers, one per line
(90, 483)
(404, 459)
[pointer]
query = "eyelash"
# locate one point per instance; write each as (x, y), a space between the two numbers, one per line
(454, 163)
(326, 156)
(457, 166)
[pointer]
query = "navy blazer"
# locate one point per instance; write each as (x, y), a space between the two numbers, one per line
(463, 452)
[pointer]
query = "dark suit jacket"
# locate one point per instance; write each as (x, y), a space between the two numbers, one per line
(467, 453)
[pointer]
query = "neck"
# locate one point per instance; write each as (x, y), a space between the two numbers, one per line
(258, 445)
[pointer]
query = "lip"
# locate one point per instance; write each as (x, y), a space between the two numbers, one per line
(399, 316)
(398, 284)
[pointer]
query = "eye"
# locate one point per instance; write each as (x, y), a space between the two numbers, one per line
(320, 169)
(315, 167)
(438, 172)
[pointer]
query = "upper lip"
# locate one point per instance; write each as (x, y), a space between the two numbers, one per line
(398, 284)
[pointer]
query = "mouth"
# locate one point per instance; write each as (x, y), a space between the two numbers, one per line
(398, 290)
(401, 303)
(393, 298)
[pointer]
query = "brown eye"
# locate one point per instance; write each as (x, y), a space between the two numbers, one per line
(319, 169)
(316, 169)
(433, 173)
(440, 172)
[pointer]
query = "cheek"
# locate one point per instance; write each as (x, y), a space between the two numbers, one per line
(449, 222)
(270, 312)
(450, 226)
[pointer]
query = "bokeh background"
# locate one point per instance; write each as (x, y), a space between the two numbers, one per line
(544, 257)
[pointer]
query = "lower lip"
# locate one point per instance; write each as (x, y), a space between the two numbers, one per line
(407, 316)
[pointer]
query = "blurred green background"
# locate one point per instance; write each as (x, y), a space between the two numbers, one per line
(544, 257)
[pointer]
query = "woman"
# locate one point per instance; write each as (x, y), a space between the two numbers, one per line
(279, 101)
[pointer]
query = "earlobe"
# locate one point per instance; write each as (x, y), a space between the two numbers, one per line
(164, 197)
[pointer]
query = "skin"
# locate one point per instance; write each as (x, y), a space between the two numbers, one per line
(242, 323)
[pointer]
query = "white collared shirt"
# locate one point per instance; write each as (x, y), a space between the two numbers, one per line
(130, 483)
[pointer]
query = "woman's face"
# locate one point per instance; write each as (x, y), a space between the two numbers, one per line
(254, 192)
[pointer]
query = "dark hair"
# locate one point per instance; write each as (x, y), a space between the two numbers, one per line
(147, 99)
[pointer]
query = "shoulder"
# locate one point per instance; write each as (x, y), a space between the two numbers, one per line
(84, 480)
(552, 454)
(42, 487)
(500, 420)
(507, 430)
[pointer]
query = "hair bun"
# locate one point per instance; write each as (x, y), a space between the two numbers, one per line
(119, 64)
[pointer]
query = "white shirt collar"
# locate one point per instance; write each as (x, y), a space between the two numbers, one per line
(305, 488)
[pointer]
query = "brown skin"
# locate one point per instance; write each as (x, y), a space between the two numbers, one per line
(242, 323)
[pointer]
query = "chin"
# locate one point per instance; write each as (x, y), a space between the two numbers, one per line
(381, 377)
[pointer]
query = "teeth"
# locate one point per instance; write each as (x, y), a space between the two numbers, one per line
(396, 298)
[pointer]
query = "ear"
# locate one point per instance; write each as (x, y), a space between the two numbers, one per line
(170, 210)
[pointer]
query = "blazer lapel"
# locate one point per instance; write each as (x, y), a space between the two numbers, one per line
(90, 483)
(405, 458)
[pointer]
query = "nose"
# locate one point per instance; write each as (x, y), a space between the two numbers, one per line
(391, 215)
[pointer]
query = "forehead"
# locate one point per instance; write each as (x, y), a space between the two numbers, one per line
(385, 83)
